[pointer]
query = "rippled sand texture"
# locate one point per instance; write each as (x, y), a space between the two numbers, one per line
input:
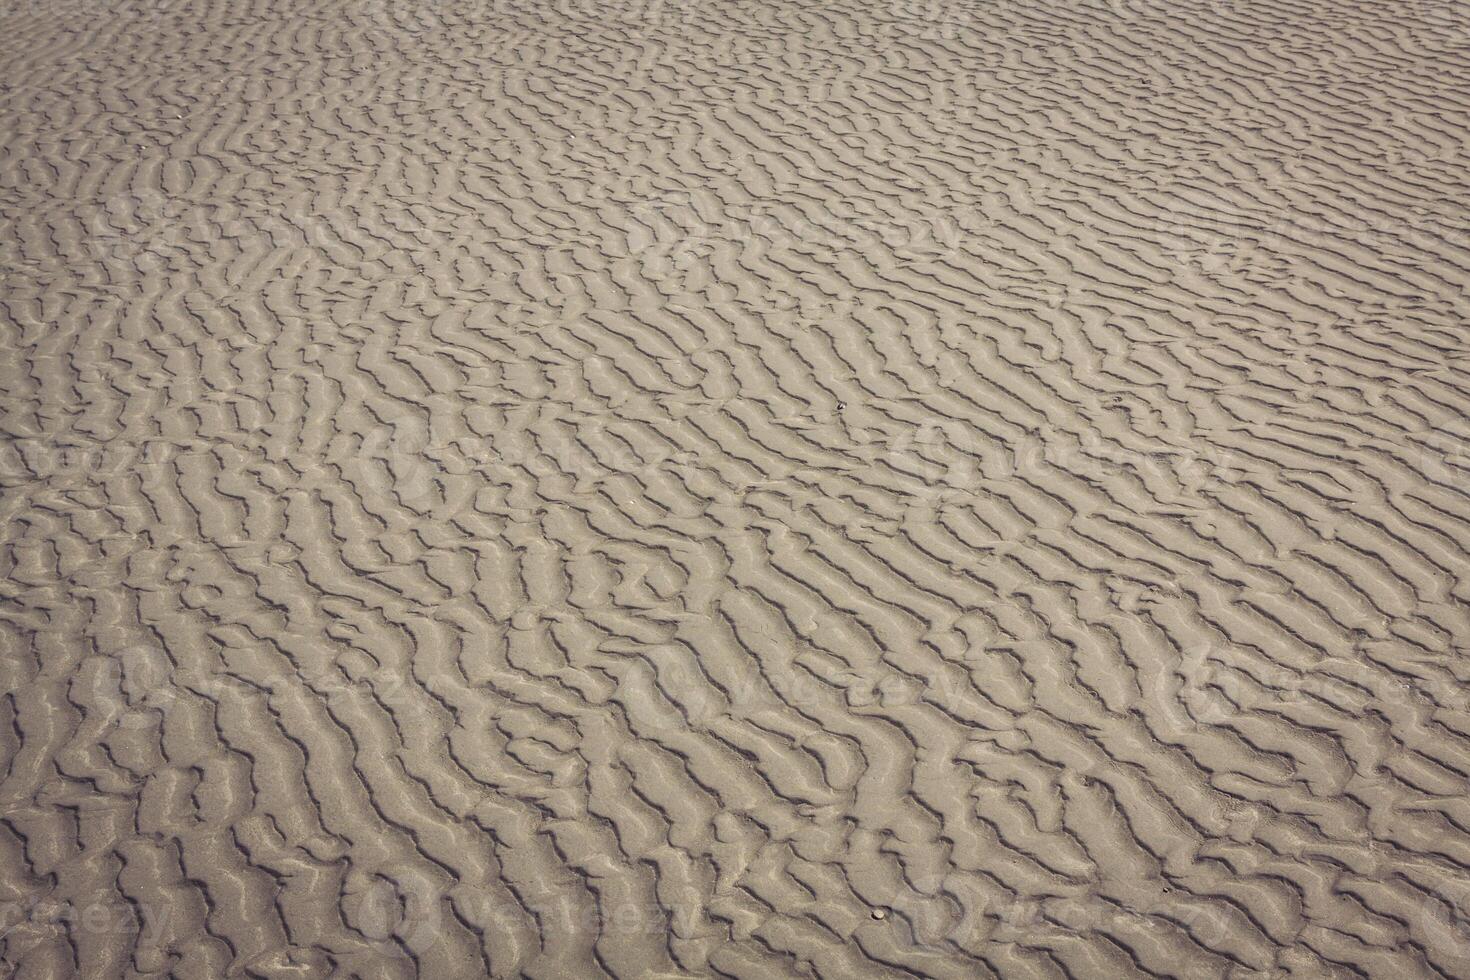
(804, 489)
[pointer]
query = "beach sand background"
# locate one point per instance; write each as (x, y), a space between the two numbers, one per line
(832, 488)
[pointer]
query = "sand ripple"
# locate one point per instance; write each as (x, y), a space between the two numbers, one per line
(727, 488)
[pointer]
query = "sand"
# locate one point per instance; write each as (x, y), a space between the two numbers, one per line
(825, 488)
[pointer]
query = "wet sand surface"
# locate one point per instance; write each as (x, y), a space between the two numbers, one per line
(814, 489)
